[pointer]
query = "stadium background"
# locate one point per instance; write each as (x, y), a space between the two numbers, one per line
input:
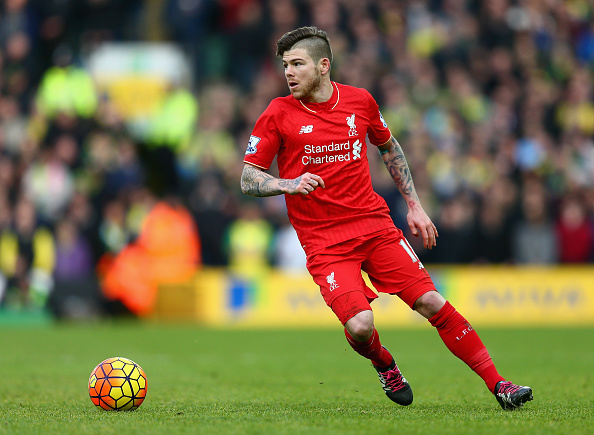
(123, 125)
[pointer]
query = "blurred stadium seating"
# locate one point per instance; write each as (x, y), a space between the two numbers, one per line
(108, 107)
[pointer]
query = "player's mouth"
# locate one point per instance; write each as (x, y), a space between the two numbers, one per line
(293, 85)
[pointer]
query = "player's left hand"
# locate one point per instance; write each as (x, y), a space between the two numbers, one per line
(420, 223)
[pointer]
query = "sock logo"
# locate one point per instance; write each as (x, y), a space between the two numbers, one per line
(465, 331)
(332, 281)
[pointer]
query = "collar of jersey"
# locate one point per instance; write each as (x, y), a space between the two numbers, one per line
(328, 105)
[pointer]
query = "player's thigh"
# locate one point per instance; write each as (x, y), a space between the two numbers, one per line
(393, 267)
(348, 305)
(336, 275)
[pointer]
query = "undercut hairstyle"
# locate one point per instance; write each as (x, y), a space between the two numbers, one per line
(312, 39)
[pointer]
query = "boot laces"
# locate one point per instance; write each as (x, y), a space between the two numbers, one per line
(393, 379)
(507, 388)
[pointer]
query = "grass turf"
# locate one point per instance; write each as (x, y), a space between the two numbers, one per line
(294, 382)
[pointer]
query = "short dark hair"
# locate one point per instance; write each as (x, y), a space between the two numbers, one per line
(314, 40)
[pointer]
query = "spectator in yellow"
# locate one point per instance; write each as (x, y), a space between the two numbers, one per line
(173, 124)
(249, 243)
(171, 128)
(66, 88)
(27, 258)
(577, 110)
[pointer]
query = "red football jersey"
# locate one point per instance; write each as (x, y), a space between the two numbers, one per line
(327, 139)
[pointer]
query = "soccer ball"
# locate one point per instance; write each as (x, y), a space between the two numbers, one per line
(117, 384)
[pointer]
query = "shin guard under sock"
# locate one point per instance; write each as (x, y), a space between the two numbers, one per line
(371, 349)
(463, 341)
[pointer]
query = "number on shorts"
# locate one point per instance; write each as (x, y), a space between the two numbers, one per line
(409, 250)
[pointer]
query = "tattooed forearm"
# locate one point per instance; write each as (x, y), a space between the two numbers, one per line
(397, 166)
(255, 182)
(289, 184)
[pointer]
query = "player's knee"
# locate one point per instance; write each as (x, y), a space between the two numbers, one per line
(429, 304)
(360, 326)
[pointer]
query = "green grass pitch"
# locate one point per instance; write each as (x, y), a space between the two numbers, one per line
(286, 381)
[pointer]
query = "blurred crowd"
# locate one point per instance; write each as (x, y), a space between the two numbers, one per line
(492, 102)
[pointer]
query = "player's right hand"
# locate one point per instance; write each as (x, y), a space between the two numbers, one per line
(306, 183)
(420, 224)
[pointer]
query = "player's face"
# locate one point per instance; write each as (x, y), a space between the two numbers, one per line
(303, 75)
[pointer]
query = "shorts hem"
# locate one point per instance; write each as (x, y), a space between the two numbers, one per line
(345, 307)
(329, 303)
(415, 290)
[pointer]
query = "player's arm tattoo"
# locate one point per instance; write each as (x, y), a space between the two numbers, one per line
(397, 166)
(256, 182)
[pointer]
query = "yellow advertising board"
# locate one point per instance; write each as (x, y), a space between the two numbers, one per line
(274, 300)
(522, 296)
(137, 76)
(137, 96)
(498, 296)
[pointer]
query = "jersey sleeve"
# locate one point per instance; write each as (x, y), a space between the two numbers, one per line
(378, 131)
(265, 140)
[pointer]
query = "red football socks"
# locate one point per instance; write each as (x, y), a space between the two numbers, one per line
(371, 349)
(463, 341)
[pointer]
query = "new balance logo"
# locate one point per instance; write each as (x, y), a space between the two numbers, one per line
(357, 150)
(306, 129)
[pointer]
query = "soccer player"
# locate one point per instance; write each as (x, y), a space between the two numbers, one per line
(318, 134)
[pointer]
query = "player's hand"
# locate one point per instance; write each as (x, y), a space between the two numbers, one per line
(306, 183)
(420, 223)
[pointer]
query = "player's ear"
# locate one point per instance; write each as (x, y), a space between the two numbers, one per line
(324, 65)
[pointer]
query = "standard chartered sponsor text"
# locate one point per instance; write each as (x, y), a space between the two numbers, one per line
(311, 151)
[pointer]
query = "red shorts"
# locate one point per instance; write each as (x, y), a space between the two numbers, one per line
(388, 259)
